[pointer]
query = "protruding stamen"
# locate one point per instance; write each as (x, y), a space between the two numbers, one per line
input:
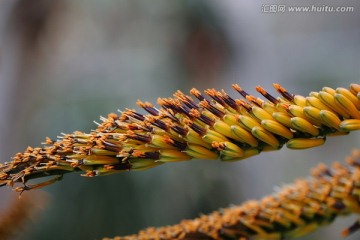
(263, 92)
(197, 94)
(157, 122)
(175, 105)
(253, 100)
(243, 104)
(180, 130)
(148, 107)
(169, 114)
(229, 101)
(196, 114)
(201, 131)
(168, 103)
(175, 143)
(132, 113)
(212, 108)
(288, 96)
(216, 96)
(240, 90)
(111, 146)
(138, 137)
(185, 99)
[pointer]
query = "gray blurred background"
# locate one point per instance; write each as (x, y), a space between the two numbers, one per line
(63, 63)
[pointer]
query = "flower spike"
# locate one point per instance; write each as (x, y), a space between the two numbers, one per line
(293, 211)
(215, 126)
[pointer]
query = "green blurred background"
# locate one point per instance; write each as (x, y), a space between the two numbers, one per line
(63, 63)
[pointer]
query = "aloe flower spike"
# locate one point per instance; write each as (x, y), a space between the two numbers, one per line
(216, 127)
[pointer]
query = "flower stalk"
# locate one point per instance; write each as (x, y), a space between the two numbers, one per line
(215, 126)
(295, 210)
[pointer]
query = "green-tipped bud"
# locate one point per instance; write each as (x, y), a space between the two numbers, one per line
(355, 88)
(194, 138)
(304, 126)
(277, 128)
(142, 164)
(350, 125)
(329, 101)
(297, 111)
(347, 105)
(316, 103)
(300, 100)
(268, 107)
(99, 151)
(223, 128)
(172, 156)
(330, 119)
(97, 160)
(244, 136)
(261, 114)
(304, 143)
(214, 136)
(158, 141)
(249, 122)
(329, 90)
(200, 152)
(313, 114)
(282, 118)
(230, 119)
(265, 136)
(349, 95)
(249, 153)
(229, 151)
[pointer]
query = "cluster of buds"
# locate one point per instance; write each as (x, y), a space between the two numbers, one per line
(295, 210)
(215, 126)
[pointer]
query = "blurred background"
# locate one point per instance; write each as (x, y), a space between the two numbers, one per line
(63, 63)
